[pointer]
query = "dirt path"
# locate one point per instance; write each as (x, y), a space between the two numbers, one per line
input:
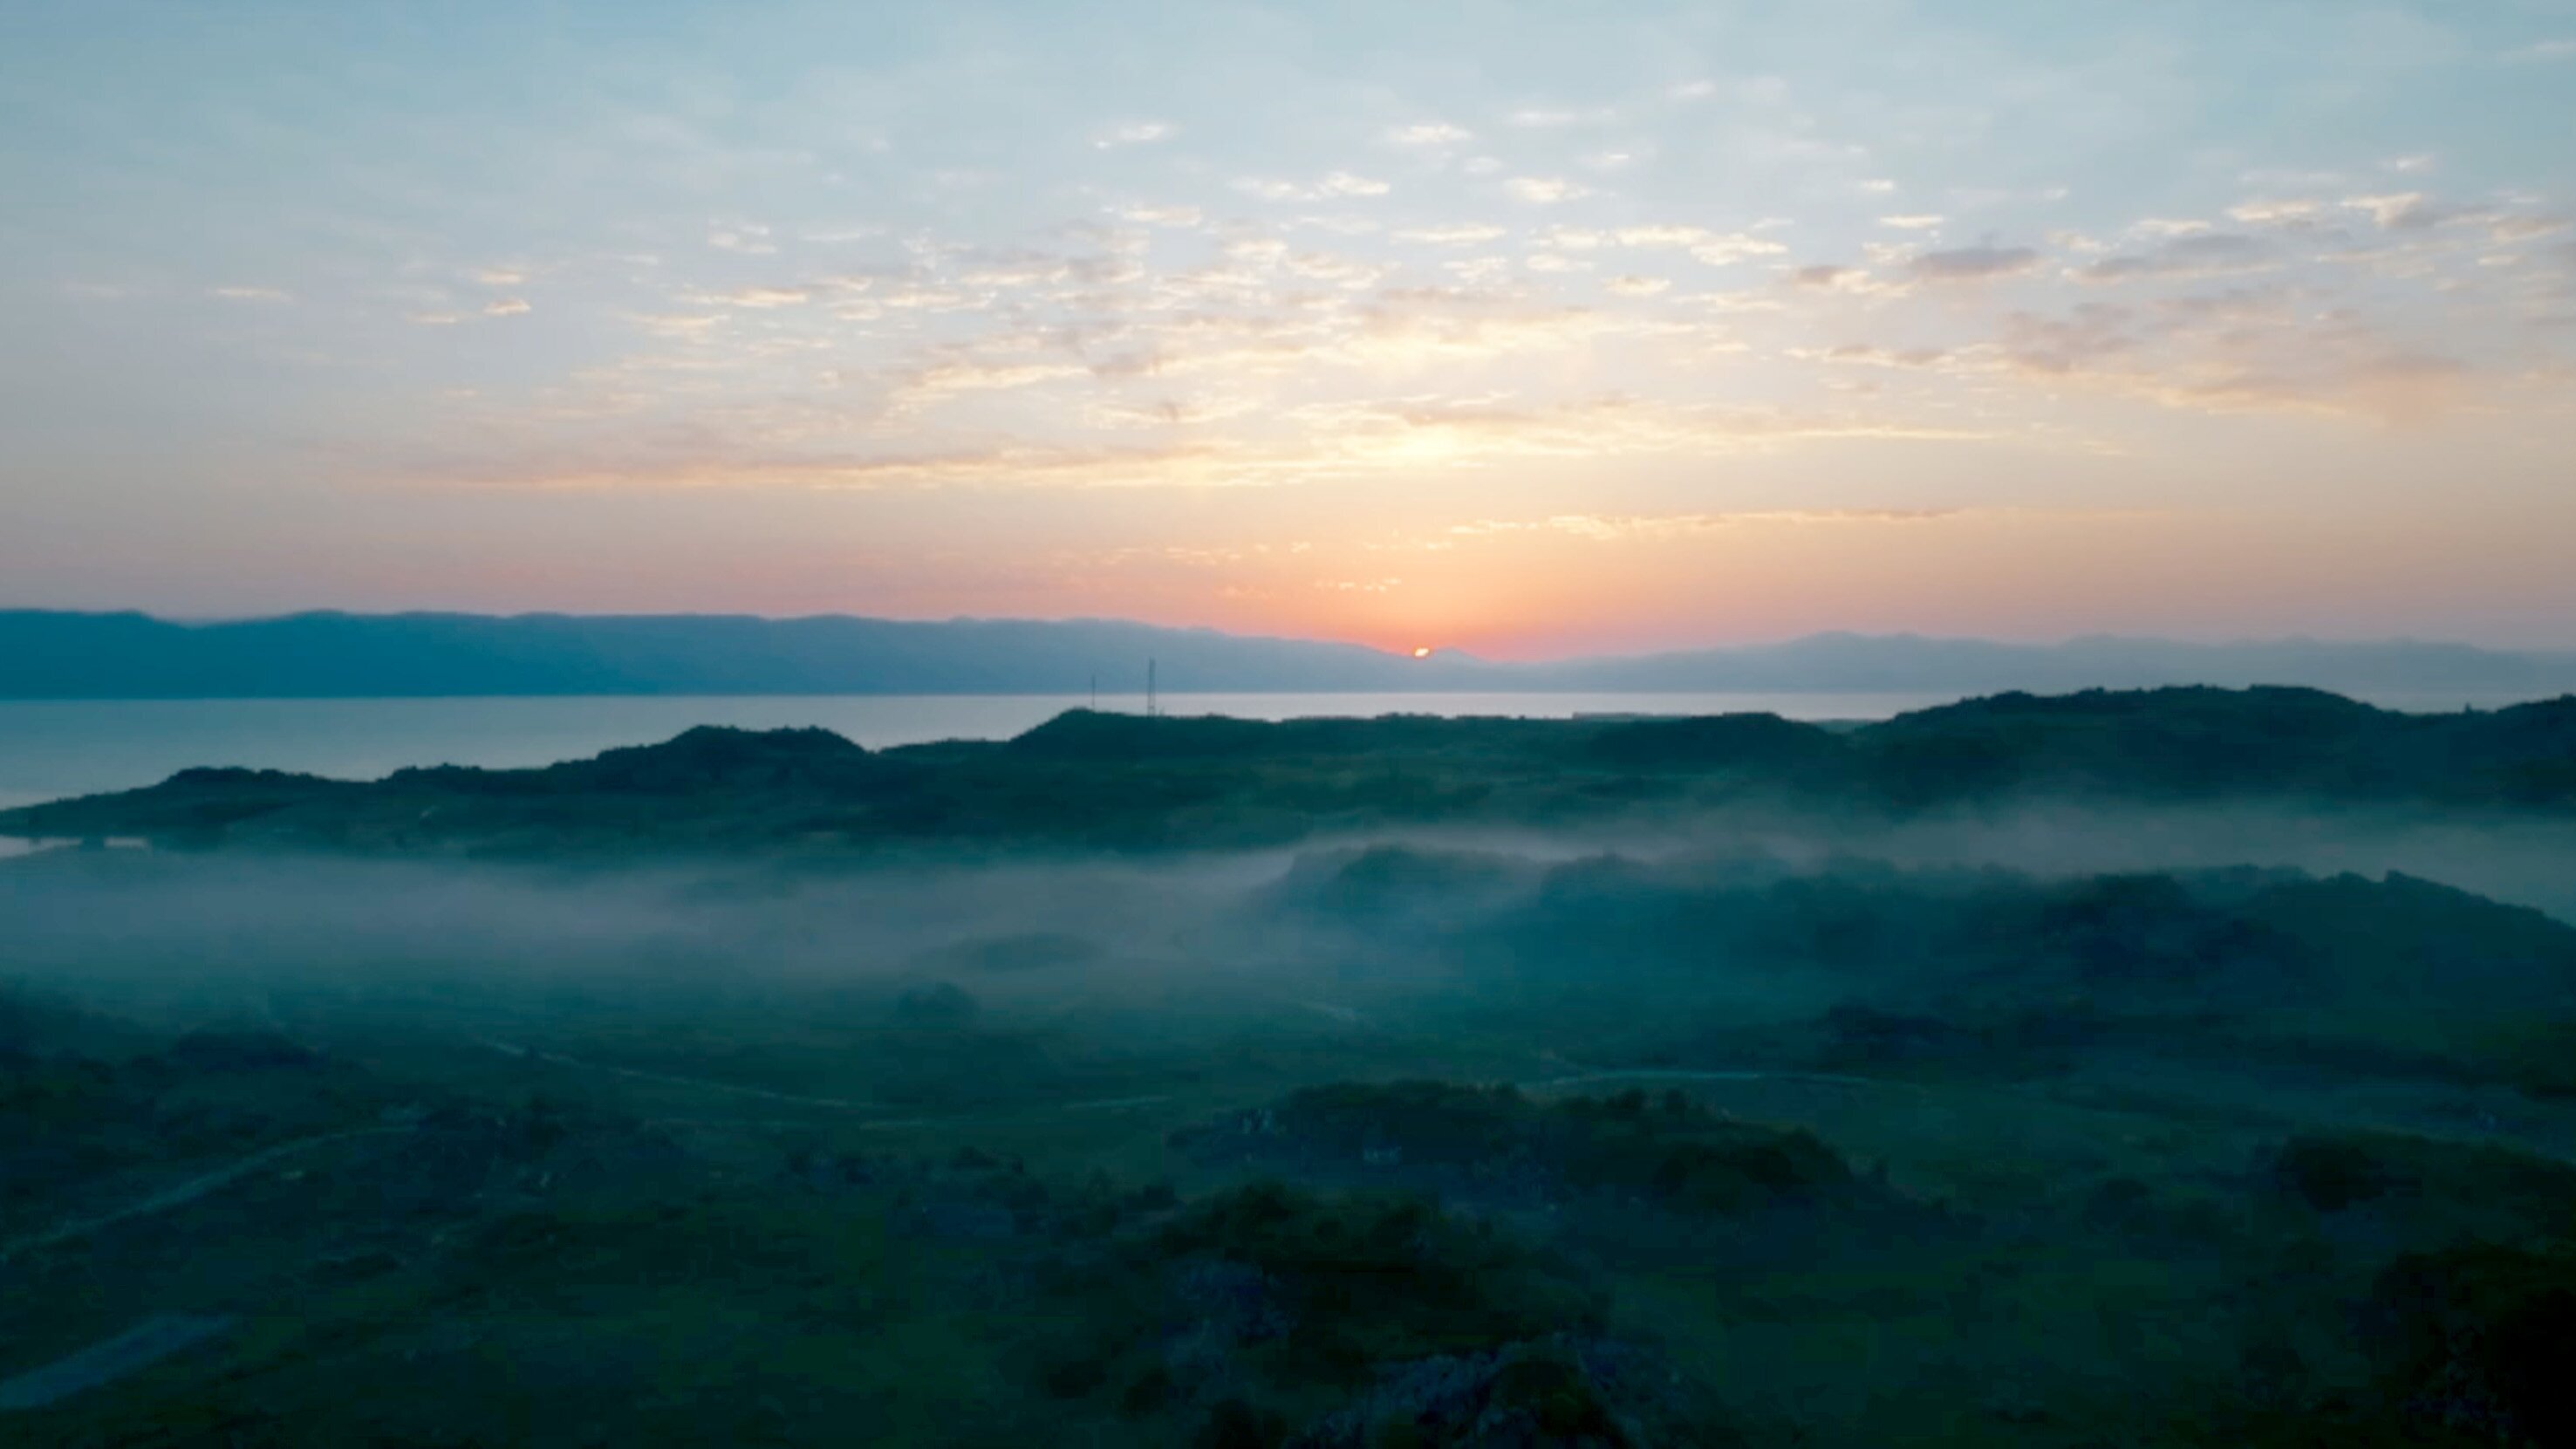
(132, 1351)
(186, 1192)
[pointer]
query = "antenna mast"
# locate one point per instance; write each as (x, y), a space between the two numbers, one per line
(1149, 689)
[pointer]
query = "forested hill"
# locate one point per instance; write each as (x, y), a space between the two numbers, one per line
(1088, 778)
(52, 655)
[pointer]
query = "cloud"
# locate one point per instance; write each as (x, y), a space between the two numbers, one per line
(1629, 528)
(1721, 251)
(1474, 433)
(2085, 337)
(2525, 228)
(749, 238)
(1428, 136)
(2413, 211)
(2243, 350)
(1635, 286)
(1336, 184)
(1972, 264)
(950, 378)
(1919, 222)
(1176, 216)
(2206, 254)
(1464, 234)
(678, 324)
(433, 319)
(1863, 355)
(250, 294)
(508, 307)
(1878, 186)
(1544, 190)
(1826, 275)
(1315, 442)
(500, 277)
(1548, 118)
(1339, 271)
(2267, 212)
(1133, 133)
(2545, 50)
(1698, 90)
(759, 298)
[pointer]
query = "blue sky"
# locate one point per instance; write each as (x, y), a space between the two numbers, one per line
(1520, 327)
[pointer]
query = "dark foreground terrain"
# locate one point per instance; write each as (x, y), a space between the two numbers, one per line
(544, 1108)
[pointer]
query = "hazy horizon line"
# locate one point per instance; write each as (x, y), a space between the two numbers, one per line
(2062, 641)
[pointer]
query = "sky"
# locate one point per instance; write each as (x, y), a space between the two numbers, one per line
(1531, 329)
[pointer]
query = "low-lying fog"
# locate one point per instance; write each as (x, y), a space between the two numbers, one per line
(209, 924)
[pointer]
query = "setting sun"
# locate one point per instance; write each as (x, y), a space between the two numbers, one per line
(1422, 651)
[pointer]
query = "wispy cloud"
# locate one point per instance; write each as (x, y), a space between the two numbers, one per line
(1548, 118)
(2277, 212)
(750, 238)
(1428, 136)
(1630, 528)
(1545, 190)
(2414, 211)
(1133, 133)
(1972, 264)
(1334, 184)
(1173, 216)
(2204, 254)
(1462, 234)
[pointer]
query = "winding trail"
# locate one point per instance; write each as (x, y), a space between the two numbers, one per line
(108, 1360)
(186, 1192)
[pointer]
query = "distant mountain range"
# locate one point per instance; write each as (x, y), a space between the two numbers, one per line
(61, 655)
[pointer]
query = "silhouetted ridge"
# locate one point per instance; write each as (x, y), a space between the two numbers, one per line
(1127, 781)
(1716, 741)
(707, 757)
(1082, 734)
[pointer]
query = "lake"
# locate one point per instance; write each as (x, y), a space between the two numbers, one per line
(54, 748)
